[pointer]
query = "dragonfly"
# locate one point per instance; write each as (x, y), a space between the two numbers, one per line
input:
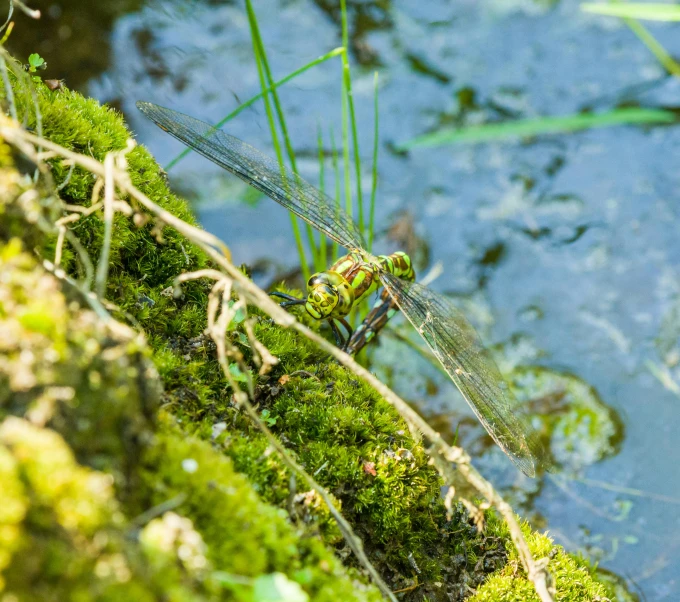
(332, 294)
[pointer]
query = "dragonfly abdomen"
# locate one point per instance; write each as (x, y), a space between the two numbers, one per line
(399, 264)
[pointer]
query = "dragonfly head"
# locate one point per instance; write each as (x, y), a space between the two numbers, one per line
(328, 295)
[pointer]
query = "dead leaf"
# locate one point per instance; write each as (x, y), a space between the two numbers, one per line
(369, 468)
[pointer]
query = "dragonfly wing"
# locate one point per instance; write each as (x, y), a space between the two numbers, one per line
(261, 172)
(457, 346)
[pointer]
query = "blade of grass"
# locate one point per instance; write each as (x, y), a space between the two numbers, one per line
(257, 41)
(374, 172)
(634, 10)
(543, 125)
(347, 89)
(323, 242)
(345, 150)
(338, 194)
(275, 140)
(643, 34)
(248, 103)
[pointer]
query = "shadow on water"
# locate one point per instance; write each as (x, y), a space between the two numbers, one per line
(562, 249)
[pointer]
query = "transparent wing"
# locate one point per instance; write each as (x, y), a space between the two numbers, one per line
(261, 172)
(457, 346)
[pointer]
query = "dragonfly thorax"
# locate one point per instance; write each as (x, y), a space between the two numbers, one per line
(329, 295)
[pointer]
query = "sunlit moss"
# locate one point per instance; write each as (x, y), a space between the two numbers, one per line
(573, 577)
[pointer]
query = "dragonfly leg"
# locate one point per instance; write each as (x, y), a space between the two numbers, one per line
(290, 300)
(349, 329)
(382, 311)
(339, 339)
(284, 296)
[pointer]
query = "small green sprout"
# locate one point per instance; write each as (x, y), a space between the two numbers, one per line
(35, 62)
(268, 419)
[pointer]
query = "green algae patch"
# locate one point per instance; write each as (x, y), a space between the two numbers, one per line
(208, 510)
(580, 429)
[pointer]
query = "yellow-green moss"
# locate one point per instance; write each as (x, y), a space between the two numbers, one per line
(243, 536)
(574, 579)
(57, 359)
(66, 540)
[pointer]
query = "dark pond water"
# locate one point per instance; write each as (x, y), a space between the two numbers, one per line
(562, 250)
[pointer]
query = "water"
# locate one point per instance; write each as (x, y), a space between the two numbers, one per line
(563, 250)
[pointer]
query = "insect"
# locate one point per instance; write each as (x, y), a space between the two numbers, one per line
(331, 294)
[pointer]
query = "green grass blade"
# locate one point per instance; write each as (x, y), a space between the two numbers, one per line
(345, 149)
(347, 89)
(259, 61)
(242, 107)
(543, 125)
(643, 34)
(323, 242)
(634, 10)
(374, 171)
(280, 115)
(338, 194)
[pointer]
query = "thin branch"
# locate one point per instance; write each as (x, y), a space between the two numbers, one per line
(67, 179)
(103, 265)
(10, 12)
(33, 13)
(91, 299)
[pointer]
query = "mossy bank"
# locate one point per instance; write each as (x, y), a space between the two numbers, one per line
(130, 472)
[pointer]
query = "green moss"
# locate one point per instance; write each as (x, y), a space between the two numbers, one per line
(62, 529)
(244, 536)
(56, 358)
(574, 579)
(13, 505)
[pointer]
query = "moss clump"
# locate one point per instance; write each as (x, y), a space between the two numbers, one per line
(61, 529)
(574, 579)
(243, 536)
(57, 358)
